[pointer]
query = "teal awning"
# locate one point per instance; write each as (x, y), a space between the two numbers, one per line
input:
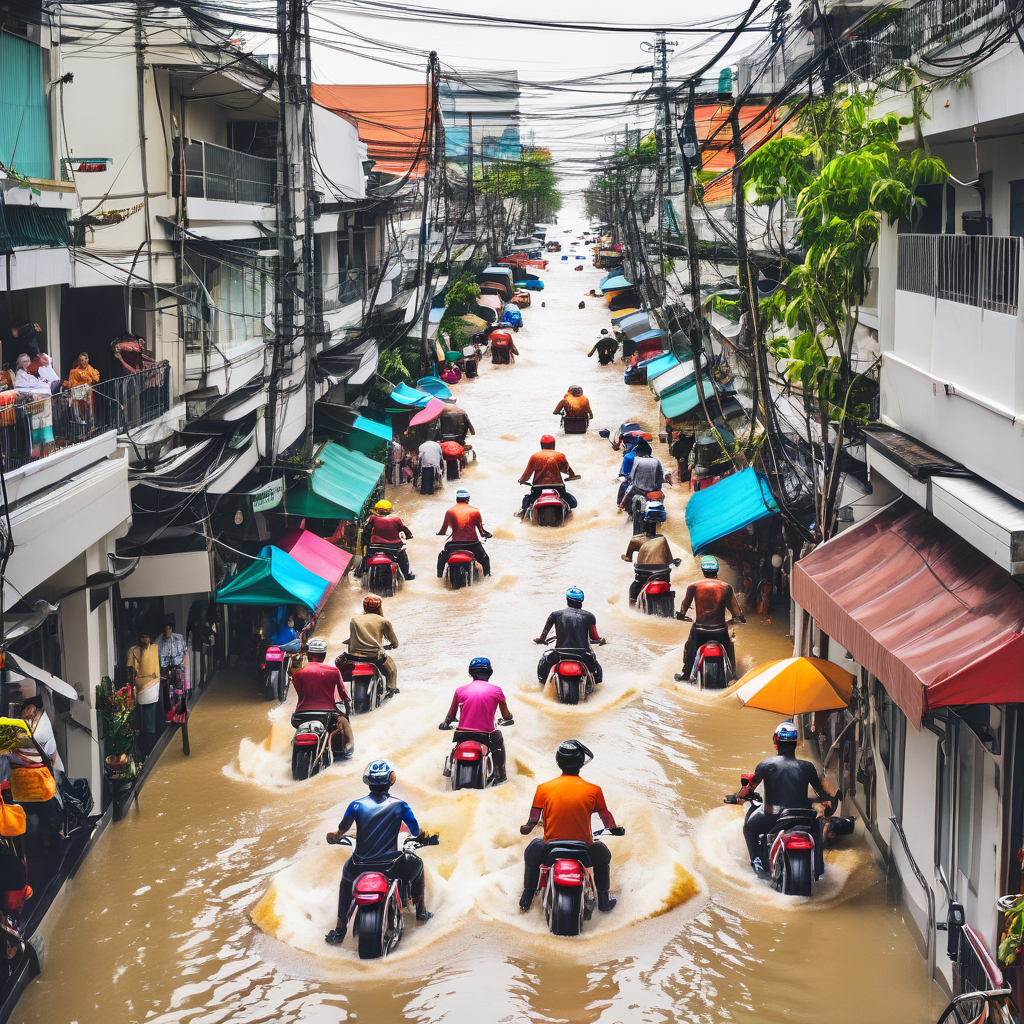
(679, 402)
(434, 386)
(728, 506)
(659, 364)
(274, 578)
(616, 283)
(338, 488)
(367, 435)
(407, 396)
(24, 109)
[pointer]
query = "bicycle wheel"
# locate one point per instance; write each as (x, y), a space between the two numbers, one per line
(971, 1009)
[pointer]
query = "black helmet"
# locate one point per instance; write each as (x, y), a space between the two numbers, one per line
(572, 755)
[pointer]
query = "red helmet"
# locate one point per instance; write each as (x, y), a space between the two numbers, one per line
(547, 441)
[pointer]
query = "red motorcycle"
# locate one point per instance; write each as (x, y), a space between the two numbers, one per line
(549, 508)
(381, 574)
(567, 886)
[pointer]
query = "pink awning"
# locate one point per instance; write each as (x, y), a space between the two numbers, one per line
(922, 609)
(429, 412)
(317, 555)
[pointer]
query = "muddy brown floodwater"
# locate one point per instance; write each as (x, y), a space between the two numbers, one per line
(210, 903)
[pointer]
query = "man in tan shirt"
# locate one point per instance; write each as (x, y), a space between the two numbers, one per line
(144, 665)
(653, 557)
(366, 636)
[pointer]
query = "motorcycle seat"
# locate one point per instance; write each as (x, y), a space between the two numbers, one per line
(460, 557)
(795, 817)
(569, 850)
(301, 717)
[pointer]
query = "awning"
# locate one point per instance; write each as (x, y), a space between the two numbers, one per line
(434, 386)
(317, 555)
(412, 397)
(338, 488)
(367, 435)
(274, 578)
(428, 413)
(40, 675)
(651, 335)
(728, 506)
(659, 364)
(188, 572)
(920, 608)
(615, 282)
(685, 399)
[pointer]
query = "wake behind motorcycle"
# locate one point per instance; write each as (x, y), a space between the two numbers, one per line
(574, 682)
(792, 850)
(567, 886)
(316, 745)
(378, 900)
(460, 569)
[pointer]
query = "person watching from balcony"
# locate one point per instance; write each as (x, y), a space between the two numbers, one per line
(27, 381)
(40, 411)
(130, 351)
(42, 367)
(82, 373)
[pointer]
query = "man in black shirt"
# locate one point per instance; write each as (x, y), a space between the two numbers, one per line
(785, 779)
(574, 630)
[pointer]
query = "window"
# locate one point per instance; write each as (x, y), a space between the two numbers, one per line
(1017, 208)
(24, 113)
(892, 730)
(228, 301)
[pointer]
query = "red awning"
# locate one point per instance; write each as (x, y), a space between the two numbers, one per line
(924, 611)
(318, 556)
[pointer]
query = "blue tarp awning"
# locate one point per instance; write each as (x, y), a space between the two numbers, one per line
(682, 400)
(649, 336)
(274, 578)
(405, 395)
(728, 506)
(659, 364)
(434, 386)
(616, 283)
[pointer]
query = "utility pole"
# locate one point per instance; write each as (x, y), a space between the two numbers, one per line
(314, 298)
(140, 86)
(424, 266)
(469, 174)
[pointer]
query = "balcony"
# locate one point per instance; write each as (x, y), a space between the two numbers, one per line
(340, 290)
(31, 430)
(223, 175)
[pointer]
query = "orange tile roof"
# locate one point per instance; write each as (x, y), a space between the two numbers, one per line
(390, 119)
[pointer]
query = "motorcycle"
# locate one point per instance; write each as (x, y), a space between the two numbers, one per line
(640, 503)
(656, 595)
(470, 764)
(711, 668)
(381, 575)
(275, 676)
(793, 849)
(549, 508)
(454, 458)
(569, 896)
(574, 682)
(365, 679)
(375, 915)
(316, 745)
(460, 569)
(574, 424)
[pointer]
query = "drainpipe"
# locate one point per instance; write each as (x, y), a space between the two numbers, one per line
(140, 75)
(929, 895)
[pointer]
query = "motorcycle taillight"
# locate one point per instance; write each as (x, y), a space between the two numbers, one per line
(306, 739)
(274, 654)
(798, 842)
(371, 882)
(570, 668)
(362, 670)
(713, 651)
(468, 750)
(567, 872)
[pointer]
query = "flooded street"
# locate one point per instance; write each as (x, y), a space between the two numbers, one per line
(209, 904)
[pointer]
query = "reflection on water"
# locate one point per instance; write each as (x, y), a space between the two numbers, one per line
(210, 904)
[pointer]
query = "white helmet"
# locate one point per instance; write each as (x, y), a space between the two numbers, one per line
(317, 646)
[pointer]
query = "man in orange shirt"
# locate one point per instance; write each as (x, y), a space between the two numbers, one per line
(546, 468)
(575, 404)
(464, 521)
(566, 805)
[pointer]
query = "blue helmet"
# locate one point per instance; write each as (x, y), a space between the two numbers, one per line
(380, 773)
(655, 512)
(574, 594)
(480, 668)
(462, 494)
(709, 564)
(785, 733)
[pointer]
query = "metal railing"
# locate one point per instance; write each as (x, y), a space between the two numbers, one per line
(216, 172)
(341, 289)
(33, 427)
(975, 270)
(976, 968)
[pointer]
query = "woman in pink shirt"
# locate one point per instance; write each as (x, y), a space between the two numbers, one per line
(475, 705)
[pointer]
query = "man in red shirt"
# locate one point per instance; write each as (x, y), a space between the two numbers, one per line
(546, 469)
(467, 528)
(566, 804)
(320, 687)
(385, 531)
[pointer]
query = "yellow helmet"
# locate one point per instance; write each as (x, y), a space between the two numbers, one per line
(382, 506)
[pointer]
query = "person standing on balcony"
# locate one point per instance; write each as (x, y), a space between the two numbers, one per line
(130, 351)
(82, 373)
(144, 666)
(40, 412)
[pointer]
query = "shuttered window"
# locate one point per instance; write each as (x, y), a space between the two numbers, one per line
(24, 114)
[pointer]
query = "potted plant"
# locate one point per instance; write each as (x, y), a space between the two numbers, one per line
(116, 709)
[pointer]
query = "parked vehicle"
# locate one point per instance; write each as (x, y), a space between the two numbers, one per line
(316, 745)
(511, 316)
(567, 887)
(375, 916)
(381, 574)
(522, 298)
(792, 851)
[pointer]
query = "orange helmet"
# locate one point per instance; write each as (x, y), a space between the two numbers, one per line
(372, 603)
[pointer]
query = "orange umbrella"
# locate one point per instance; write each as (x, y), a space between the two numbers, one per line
(795, 686)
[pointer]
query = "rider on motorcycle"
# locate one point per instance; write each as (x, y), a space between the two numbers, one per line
(546, 468)
(637, 446)
(366, 636)
(464, 521)
(785, 779)
(712, 597)
(320, 687)
(566, 804)
(653, 555)
(378, 818)
(575, 404)
(455, 424)
(646, 474)
(574, 630)
(385, 531)
(475, 704)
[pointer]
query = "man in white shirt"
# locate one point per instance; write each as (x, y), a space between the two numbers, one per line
(46, 373)
(26, 381)
(431, 460)
(42, 731)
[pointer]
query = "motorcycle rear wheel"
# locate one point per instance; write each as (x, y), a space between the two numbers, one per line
(550, 517)
(465, 777)
(303, 763)
(283, 681)
(570, 691)
(566, 912)
(370, 926)
(361, 697)
(797, 871)
(270, 687)
(713, 675)
(457, 577)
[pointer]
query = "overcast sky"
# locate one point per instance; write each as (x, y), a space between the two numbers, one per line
(577, 121)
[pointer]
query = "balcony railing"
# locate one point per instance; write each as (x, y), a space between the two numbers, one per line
(32, 428)
(975, 270)
(215, 172)
(341, 289)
